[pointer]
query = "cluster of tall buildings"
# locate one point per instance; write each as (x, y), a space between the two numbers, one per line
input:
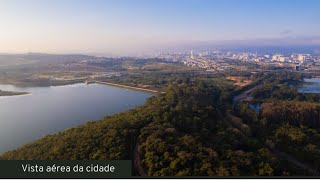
(293, 58)
(215, 60)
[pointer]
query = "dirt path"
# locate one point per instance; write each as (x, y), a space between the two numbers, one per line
(137, 161)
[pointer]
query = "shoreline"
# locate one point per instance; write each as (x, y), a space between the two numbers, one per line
(90, 82)
(151, 91)
(128, 87)
(73, 126)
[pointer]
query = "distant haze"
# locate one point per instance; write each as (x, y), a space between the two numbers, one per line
(126, 27)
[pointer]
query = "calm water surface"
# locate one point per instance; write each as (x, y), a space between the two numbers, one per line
(49, 110)
(311, 86)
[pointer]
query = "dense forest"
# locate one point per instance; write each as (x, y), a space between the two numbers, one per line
(194, 129)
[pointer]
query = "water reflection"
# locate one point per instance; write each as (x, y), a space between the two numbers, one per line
(49, 110)
(311, 86)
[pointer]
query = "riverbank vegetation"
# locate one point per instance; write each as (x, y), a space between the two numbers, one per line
(11, 93)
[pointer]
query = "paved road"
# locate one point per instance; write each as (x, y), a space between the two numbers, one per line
(244, 95)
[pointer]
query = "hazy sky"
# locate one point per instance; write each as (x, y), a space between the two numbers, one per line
(127, 26)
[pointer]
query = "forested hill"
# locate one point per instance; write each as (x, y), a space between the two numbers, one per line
(189, 130)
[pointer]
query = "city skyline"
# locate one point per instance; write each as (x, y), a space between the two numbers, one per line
(132, 27)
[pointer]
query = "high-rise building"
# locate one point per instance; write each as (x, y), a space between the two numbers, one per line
(301, 57)
(283, 59)
(276, 57)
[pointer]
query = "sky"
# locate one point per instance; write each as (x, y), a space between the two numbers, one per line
(139, 26)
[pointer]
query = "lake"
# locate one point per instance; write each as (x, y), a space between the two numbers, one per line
(48, 110)
(311, 86)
